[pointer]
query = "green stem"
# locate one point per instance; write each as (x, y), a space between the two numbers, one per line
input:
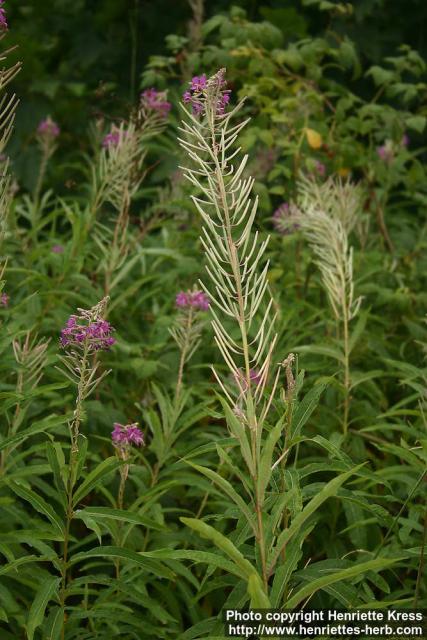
(69, 514)
(347, 381)
(184, 353)
(124, 471)
(41, 176)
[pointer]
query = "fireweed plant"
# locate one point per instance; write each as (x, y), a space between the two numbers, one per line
(124, 439)
(31, 357)
(47, 134)
(188, 327)
(329, 212)
(259, 397)
(83, 336)
(117, 173)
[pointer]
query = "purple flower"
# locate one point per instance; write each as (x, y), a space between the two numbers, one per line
(96, 335)
(195, 299)
(182, 299)
(127, 435)
(199, 83)
(201, 89)
(4, 300)
(48, 129)
(283, 220)
(223, 102)
(112, 139)
(197, 107)
(57, 248)
(3, 20)
(200, 300)
(154, 100)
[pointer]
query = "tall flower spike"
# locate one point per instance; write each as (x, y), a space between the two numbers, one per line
(235, 258)
(329, 212)
(188, 325)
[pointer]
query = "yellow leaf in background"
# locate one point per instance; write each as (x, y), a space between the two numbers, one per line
(343, 172)
(314, 139)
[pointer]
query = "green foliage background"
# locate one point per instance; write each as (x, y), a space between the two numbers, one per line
(84, 57)
(327, 85)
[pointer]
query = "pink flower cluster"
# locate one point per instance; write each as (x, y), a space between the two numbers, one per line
(194, 299)
(112, 139)
(154, 100)
(196, 95)
(127, 435)
(3, 20)
(48, 129)
(283, 221)
(97, 334)
(4, 300)
(57, 248)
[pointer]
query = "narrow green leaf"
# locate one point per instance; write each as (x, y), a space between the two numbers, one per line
(98, 474)
(358, 569)
(228, 490)
(306, 407)
(240, 434)
(358, 329)
(205, 557)
(56, 460)
(284, 572)
(255, 587)
(101, 513)
(12, 566)
(38, 427)
(223, 543)
(266, 461)
(54, 623)
(259, 599)
(47, 590)
(125, 554)
(39, 504)
(330, 489)
(81, 456)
